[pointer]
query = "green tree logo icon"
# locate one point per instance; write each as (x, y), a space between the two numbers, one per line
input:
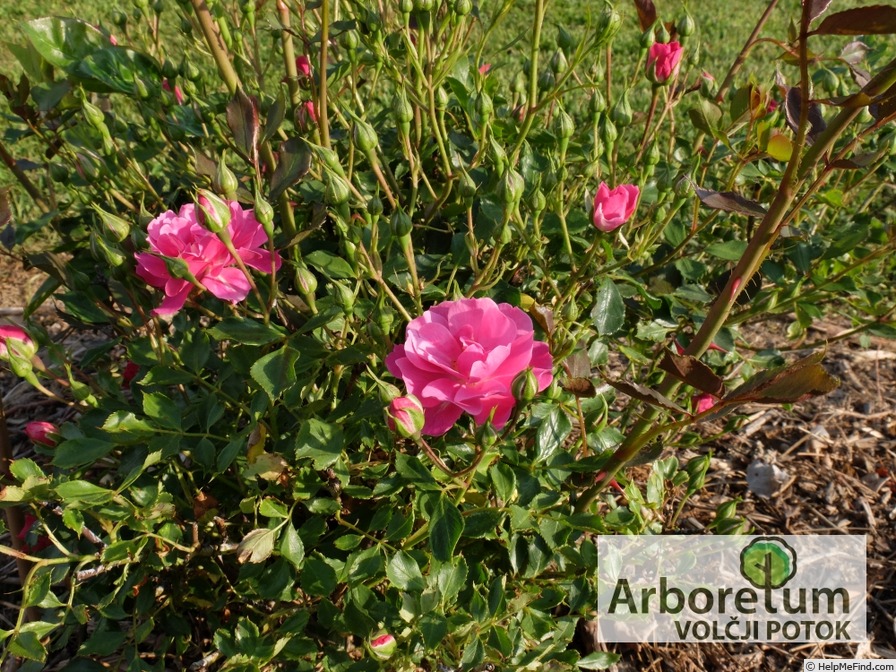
(768, 562)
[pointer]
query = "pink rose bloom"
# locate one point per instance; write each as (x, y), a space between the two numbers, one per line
(462, 356)
(662, 60)
(16, 338)
(303, 67)
(704, 402)
(181, 236)
(39, 432)
(613, 208)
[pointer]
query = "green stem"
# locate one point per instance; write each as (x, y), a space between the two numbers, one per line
(533, 80)
(322, 115)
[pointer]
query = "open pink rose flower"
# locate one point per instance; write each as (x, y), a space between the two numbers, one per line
(663, 60)
(181, 236)
(614, 207)
(462, 356)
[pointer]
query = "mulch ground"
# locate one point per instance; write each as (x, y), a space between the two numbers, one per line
(832, 461)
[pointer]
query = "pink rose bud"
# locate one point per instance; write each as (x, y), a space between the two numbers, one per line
(40, 432)
(484, 68)
(663, 60)
(462, 357)
(303, 67)
(42, 540)
(704, 402)
(405, 416)
(215, 211)
(178, 93)
(17, 340)
(613, 208)
(382, 646)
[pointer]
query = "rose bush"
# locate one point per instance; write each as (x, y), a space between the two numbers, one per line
(384, 212)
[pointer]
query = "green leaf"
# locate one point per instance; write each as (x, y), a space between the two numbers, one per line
(321, 441)
(276, 372)
(127, 422)
(445, 528)
(27, 645)
(257, 545)
(83, 491)
(504, 480)
(271, 508)
(23, 468)
(706, 117)
(80, 451)
(451, 579)
(731, 250)
(329, 264)
(608, 314)
(162, 409)
(318, 578)
(291, 546)
(119, 69)
(404, 573)
(246, 331)
(599, 660)
(551, 433)
(63, 42)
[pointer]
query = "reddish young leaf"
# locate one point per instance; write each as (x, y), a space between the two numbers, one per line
(729, 202)
(786, 384)
(242, 118)
(693, 372)
(646, 13)
(872, 20)
(646, 395)
(817, 7)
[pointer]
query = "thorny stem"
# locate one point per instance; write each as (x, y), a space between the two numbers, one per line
(742, 56)
(322, 114)
(757, 250)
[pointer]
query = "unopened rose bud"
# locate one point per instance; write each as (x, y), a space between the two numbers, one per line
(225, 181)
(524, 386)
(686, 26)
(42, 433)
(94, 115)
(607, 25)
(130, 371)
(364, 136)
(400, 224)
(405, 416)
(382, 647)
(264, 213)
(511, 187)
(216, 211)
(15, 341)
(621, 114)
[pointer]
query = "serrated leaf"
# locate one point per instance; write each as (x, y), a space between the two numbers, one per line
(82, 491)
(162, 409)
(599, 660)
(608, 314)
(551, 434)
(23, 468)
(246, 331)
(321, 441)
(257, 546)
(445, 529)
(404, 573)
(276, 371)
(291, 546)
(126, 421)
(80, 451)
(706, 117)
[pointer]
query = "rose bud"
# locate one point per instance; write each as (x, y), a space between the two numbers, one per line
(382, 646)
(405, 416)
(40, 433)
